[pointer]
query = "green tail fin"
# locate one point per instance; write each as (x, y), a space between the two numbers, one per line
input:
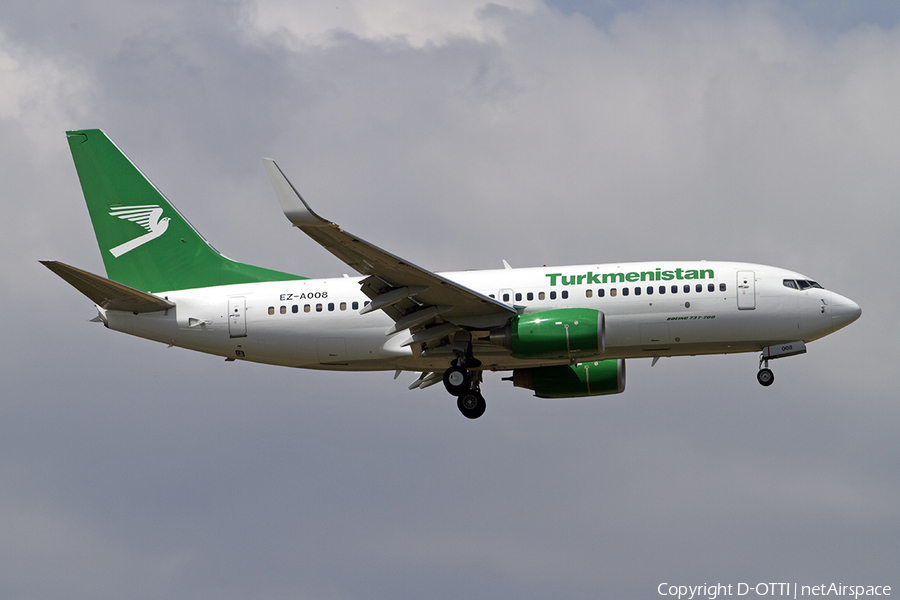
(144, 240)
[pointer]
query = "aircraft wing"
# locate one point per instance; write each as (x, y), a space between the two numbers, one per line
(413, 297)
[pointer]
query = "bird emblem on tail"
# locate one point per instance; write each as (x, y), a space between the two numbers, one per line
(148, 217)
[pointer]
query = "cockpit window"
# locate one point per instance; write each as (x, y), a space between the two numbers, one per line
(801, 284)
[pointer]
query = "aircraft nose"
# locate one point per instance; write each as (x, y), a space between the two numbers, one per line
(843, 311)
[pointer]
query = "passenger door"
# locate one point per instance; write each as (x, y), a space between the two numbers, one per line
(746, 290)
(237, 316)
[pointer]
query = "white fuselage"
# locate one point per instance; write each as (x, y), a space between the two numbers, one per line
(651, 309)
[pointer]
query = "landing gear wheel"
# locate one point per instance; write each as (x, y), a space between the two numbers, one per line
(765, 377)
(471, 404)
(457, 380)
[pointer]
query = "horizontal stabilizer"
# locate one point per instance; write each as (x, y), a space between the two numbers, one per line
(108, 294)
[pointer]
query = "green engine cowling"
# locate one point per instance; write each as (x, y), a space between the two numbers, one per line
(563, 333)
(595, 378)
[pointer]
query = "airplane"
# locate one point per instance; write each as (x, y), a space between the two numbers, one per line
(562, 332)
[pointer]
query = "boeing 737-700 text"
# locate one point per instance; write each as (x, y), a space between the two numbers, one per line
(563, 332)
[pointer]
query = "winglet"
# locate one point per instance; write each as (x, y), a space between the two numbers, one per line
(294, 206)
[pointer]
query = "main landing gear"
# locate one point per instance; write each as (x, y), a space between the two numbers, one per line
(471, 404)
(457, 380)
(465, 385)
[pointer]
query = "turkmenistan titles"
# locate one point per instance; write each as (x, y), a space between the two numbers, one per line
(591, 278)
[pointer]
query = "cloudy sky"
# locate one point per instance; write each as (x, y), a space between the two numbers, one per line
(456, 134)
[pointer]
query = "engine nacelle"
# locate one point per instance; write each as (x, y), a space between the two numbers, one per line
(565, 333)
(573, 381)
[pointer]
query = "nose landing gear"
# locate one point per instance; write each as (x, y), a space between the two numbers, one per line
(765, 377)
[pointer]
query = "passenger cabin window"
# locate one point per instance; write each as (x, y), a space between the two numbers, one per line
(624, 291)
(530, 296)
(553, 295)
(295, 309)
(518, 296)
(722, 287)
(687, 288)
(565, 294)
(506, 297)
(283, 310)
(541, 295)
(649, 289)
(355, 305)
(711, 287)
(662, 289)
(318, 308)
(637, 291)
(612, 292)
(271, 310)
(674, 289)
(589, 293)
(306, 308)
